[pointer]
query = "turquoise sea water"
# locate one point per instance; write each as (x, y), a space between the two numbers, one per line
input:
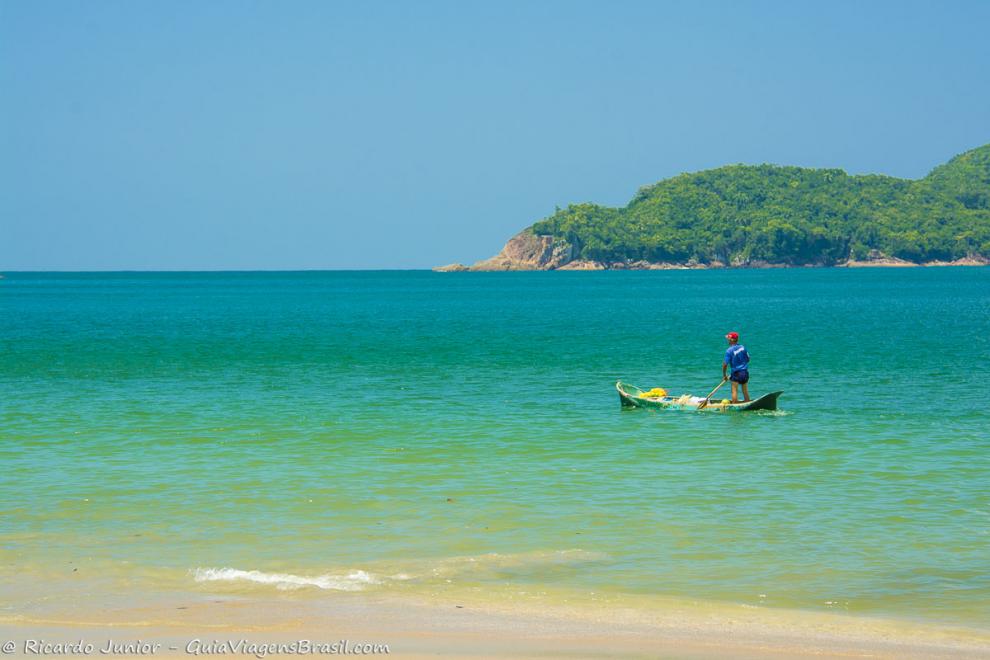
(413, 431)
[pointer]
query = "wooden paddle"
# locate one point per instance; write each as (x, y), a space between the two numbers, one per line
(705, 402)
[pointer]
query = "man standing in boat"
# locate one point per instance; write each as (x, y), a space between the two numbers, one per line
(736, 362)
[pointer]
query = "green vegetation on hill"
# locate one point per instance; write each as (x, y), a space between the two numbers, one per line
(789, 215)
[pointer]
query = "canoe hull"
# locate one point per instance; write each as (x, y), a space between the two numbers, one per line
(630, 397)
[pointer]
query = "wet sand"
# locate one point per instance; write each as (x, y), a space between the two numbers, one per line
(466, 627)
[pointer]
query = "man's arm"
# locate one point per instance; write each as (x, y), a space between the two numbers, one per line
(724, 365)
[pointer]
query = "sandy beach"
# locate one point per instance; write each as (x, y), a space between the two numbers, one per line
(463, 626)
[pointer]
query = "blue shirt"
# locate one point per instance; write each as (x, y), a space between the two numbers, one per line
(737, 358)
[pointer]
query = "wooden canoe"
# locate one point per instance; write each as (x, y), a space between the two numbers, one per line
(632, 397)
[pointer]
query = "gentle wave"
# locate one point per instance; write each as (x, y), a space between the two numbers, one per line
(489, 565)
(353, 581)
(496, 561)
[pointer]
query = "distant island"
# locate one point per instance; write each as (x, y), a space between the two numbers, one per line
(767, 216)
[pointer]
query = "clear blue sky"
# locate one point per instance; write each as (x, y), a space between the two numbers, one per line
(215, 135)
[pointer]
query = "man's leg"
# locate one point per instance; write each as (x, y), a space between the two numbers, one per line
(745, 391)
(735, 392)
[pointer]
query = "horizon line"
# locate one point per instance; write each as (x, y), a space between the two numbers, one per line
(215, 270)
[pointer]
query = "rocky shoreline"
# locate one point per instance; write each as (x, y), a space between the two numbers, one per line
(527, 252)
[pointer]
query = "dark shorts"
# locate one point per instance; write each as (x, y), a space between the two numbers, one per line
(741, 376)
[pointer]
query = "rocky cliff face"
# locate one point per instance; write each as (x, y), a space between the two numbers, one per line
(527, 251)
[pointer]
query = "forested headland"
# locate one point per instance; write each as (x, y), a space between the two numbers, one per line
(741, 215)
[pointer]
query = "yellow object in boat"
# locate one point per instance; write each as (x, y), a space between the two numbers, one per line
(655, 393)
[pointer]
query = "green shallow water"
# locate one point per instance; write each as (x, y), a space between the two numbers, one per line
(408, 431)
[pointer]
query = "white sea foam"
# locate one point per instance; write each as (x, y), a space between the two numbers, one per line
(485, 566)
(353, 581)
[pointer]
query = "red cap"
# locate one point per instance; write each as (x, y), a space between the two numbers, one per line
(732, 335)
